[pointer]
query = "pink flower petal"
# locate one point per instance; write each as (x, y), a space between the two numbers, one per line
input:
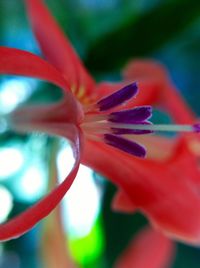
(56, 46)
(121, 202)
(26, 220)
(146, 70)
(156, 88)
(54, 119)
(158, 148)
(148, 249)
(18, 62)
(167, 191)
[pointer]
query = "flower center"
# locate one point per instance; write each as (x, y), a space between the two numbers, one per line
(81, 96)
(101, 123)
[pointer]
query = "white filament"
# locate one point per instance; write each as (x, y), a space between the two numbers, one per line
(160, 127)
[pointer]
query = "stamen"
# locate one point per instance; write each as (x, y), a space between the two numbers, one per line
(196, 128)
(118, 97)
(110, 126)
(94, 137)
(121, 131)
(167, 127)
(94, 118)
(146, 126)
(138, 114)
(125, 145)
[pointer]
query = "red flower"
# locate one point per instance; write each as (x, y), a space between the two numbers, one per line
(90, 117)
(165, 186)
(148, 249)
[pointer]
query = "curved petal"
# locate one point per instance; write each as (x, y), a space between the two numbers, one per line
(158, 148)
(53, 119)
(176, 106)
(166, 191)
(154, 81)
(146, 70)
(18, 62)
(148, 249)
(26, 220)
(56, 46)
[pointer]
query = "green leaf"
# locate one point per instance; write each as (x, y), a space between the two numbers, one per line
(119, 228)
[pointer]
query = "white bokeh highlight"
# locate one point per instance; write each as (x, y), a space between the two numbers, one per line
(11, 159)
(32, 184)
(6, 203)
(13, 92)
(81, 204)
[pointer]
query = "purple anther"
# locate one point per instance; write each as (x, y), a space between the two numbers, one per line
(125, 145)
(138, 114)
(196, 128)
(121, 131)
(118, 97)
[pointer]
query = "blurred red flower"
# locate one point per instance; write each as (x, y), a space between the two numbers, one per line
(147, 249)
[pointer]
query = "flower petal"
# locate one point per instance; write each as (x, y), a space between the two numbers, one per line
(158, 148)
(26, 220)
(148, 249)
(156, 88)
(167, 191)
(18, 62)
(56, 46)
(121, 202)
(146, 70)
(53, 119)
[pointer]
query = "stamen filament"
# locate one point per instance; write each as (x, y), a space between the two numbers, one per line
(94, 118)
(94, 137)
(159, 127)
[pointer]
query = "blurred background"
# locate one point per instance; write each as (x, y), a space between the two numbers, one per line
(106, 34)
